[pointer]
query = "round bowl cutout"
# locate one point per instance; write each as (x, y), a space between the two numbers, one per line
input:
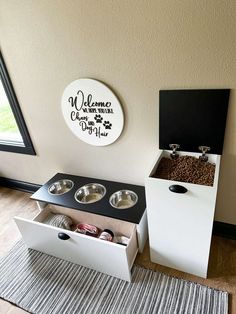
(90, 193)
(60, 187)
(123, 199)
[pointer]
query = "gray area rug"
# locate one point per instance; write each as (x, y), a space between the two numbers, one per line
(40, 283)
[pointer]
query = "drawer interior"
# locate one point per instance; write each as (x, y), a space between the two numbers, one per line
(118, 227)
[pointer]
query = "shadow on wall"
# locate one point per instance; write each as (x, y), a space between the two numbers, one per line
(227, 193)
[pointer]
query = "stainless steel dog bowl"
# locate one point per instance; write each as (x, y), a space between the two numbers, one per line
(123, 199)
(90, 193)
(60, 187)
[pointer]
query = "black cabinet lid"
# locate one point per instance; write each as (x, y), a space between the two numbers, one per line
(103, 207)
(193, 118)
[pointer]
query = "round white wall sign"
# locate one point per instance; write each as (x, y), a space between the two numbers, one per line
(92, 112)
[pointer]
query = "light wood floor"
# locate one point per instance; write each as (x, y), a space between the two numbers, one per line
(222, 264)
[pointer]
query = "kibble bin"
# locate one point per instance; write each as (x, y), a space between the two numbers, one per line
(180, 214)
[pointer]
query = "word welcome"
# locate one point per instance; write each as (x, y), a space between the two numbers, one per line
(80, 103)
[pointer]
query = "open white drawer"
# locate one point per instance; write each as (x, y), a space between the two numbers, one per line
(107, 257)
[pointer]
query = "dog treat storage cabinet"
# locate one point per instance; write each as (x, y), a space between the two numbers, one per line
(110, 205)
(180, 214)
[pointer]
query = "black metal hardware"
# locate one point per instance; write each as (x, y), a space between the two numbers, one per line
(63, 236)
(177, 189)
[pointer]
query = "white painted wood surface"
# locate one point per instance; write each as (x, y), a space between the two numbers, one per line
(142, 232)
(110, 258)
(180, 225)
(92, 112)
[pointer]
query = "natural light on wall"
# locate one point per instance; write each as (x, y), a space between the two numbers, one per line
(9, 132)
(14, 135)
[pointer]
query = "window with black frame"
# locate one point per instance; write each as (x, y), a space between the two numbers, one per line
(14, 136)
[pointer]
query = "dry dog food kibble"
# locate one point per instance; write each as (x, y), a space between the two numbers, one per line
(186, 169)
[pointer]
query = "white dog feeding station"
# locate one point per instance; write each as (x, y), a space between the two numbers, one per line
(180, 214)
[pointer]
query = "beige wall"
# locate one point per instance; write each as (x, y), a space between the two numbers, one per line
(137, 47)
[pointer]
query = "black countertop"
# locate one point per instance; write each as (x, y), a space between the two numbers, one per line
(101, 207)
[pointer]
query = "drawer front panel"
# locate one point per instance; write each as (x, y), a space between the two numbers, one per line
(103, 256)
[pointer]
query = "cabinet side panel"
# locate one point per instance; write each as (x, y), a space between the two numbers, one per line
(142, 232)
